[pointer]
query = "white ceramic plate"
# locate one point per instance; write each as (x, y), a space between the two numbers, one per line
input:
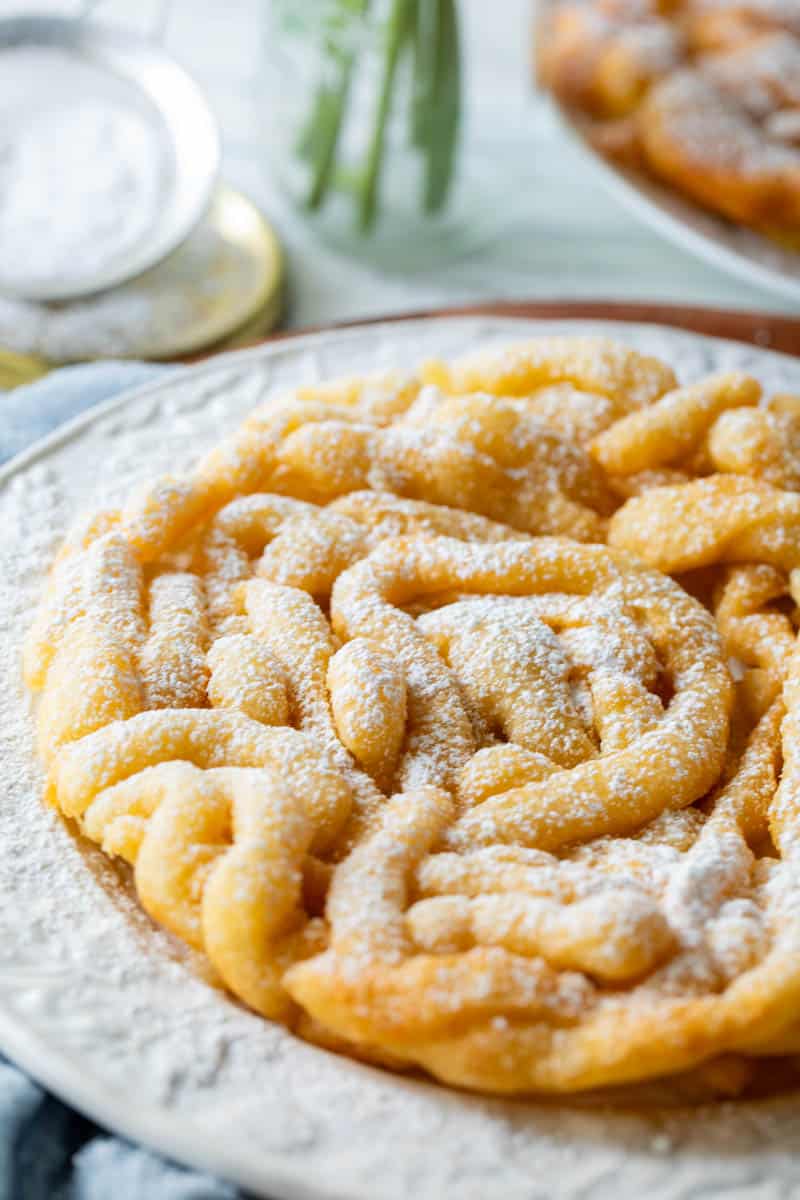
(109, 1013)
(733, 248)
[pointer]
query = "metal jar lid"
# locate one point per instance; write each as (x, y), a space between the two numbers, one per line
(227, 276)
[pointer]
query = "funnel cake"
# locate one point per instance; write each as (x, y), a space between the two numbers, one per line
(703, 94)
(454, 716)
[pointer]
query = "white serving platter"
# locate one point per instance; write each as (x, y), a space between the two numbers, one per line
(740, 252)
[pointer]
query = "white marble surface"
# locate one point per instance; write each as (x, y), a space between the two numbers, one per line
(554, 232)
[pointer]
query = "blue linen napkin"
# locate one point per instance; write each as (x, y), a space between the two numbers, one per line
(48, 1151)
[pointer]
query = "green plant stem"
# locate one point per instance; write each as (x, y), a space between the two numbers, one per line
(320, 137)
(430, 29)
(444, 107)
(398, 28)
(424, 83)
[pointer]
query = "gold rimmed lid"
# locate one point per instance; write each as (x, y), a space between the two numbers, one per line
(228, 274)
(18, 369)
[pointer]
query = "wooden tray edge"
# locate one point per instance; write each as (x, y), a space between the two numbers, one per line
(769, 331)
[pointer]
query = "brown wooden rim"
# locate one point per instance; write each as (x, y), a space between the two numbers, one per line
(771, 331)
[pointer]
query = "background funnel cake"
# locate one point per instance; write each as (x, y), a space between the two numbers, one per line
(454, 715)
(703, 94)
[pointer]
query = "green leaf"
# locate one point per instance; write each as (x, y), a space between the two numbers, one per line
(444, 112)
(320, 137)
(398, 29)
(424, 84)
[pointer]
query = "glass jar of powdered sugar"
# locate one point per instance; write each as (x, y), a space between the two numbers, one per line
(94, 182)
